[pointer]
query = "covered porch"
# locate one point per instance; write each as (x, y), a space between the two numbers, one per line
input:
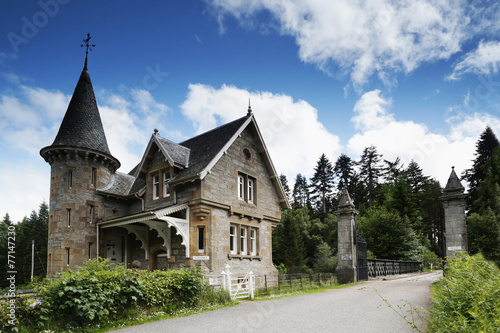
(151, 240)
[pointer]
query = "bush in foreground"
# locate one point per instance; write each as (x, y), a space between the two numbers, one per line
(98, 294)
(468, 298)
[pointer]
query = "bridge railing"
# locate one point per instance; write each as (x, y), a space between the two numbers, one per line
(383, 267)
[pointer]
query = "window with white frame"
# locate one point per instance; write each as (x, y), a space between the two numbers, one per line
(70, 178)
(243, 240)
(241, 187)
(67, 256)
(156, 186)
(246, 188)
(232, 239)
(166, 179)
(250, 186)
(253, 241)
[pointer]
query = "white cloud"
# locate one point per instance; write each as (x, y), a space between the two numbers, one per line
(364, 37)
(291, 130)
(484, 60)
(29, 121)
(370, 111)
(435, 153)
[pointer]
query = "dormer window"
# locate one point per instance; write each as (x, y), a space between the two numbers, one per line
(156, 187)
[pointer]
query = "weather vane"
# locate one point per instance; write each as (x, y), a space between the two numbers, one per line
(88, 46)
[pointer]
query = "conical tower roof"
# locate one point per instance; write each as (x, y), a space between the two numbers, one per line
(82, 126)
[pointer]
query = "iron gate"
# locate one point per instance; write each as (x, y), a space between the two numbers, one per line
(362, 260)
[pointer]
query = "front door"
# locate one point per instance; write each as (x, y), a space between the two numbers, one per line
(115, 251)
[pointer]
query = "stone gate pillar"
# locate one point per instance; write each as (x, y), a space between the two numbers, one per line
(347, 256)
(453, 199)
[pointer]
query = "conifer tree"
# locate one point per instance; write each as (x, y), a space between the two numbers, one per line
(485, 146)
(284, 183)
(343, 171)
(4, 225)
(300, 194)
(321, 186)
(369, 172)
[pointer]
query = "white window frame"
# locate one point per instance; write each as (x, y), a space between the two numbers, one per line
(250, 189)
(253, 241)
(241, 187)
(166, 179)
(70, 179)
(243, 240)
(67, 256)
(91, 214)
(156, 187)
(233, 244)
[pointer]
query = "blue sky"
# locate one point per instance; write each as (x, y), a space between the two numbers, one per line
(418, 79)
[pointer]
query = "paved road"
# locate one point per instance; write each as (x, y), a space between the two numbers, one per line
(354, 309)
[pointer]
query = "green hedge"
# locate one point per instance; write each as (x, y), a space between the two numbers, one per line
(98, 293)
(468, 298)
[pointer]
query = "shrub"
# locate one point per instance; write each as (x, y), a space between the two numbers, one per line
(92, 294)
(98, 293)
(468, 298)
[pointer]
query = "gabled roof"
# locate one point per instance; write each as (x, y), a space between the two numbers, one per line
(195, 157)
(175, 154)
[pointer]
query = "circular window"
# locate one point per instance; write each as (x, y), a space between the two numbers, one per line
(247, 153)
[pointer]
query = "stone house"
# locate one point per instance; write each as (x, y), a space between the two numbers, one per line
(209, 201)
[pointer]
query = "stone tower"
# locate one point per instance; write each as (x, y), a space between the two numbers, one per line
(347, 256)
(80, 163)
(454, 200)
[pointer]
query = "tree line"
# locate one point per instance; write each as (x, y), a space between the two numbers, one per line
(32, 228)
(400, 212)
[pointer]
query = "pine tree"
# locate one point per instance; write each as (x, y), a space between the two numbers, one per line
(294, 223)
(284, 183)
(4, 245)
(485, 146)
(392, 170)
(370, 171)
(321, 186)
(343, 171)
(300, 194)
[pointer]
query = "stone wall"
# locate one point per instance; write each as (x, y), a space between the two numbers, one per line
(77, 198)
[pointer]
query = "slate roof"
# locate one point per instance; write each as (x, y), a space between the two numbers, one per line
(205, 147)
(178, 153)
(82, 126)
(120, 184)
